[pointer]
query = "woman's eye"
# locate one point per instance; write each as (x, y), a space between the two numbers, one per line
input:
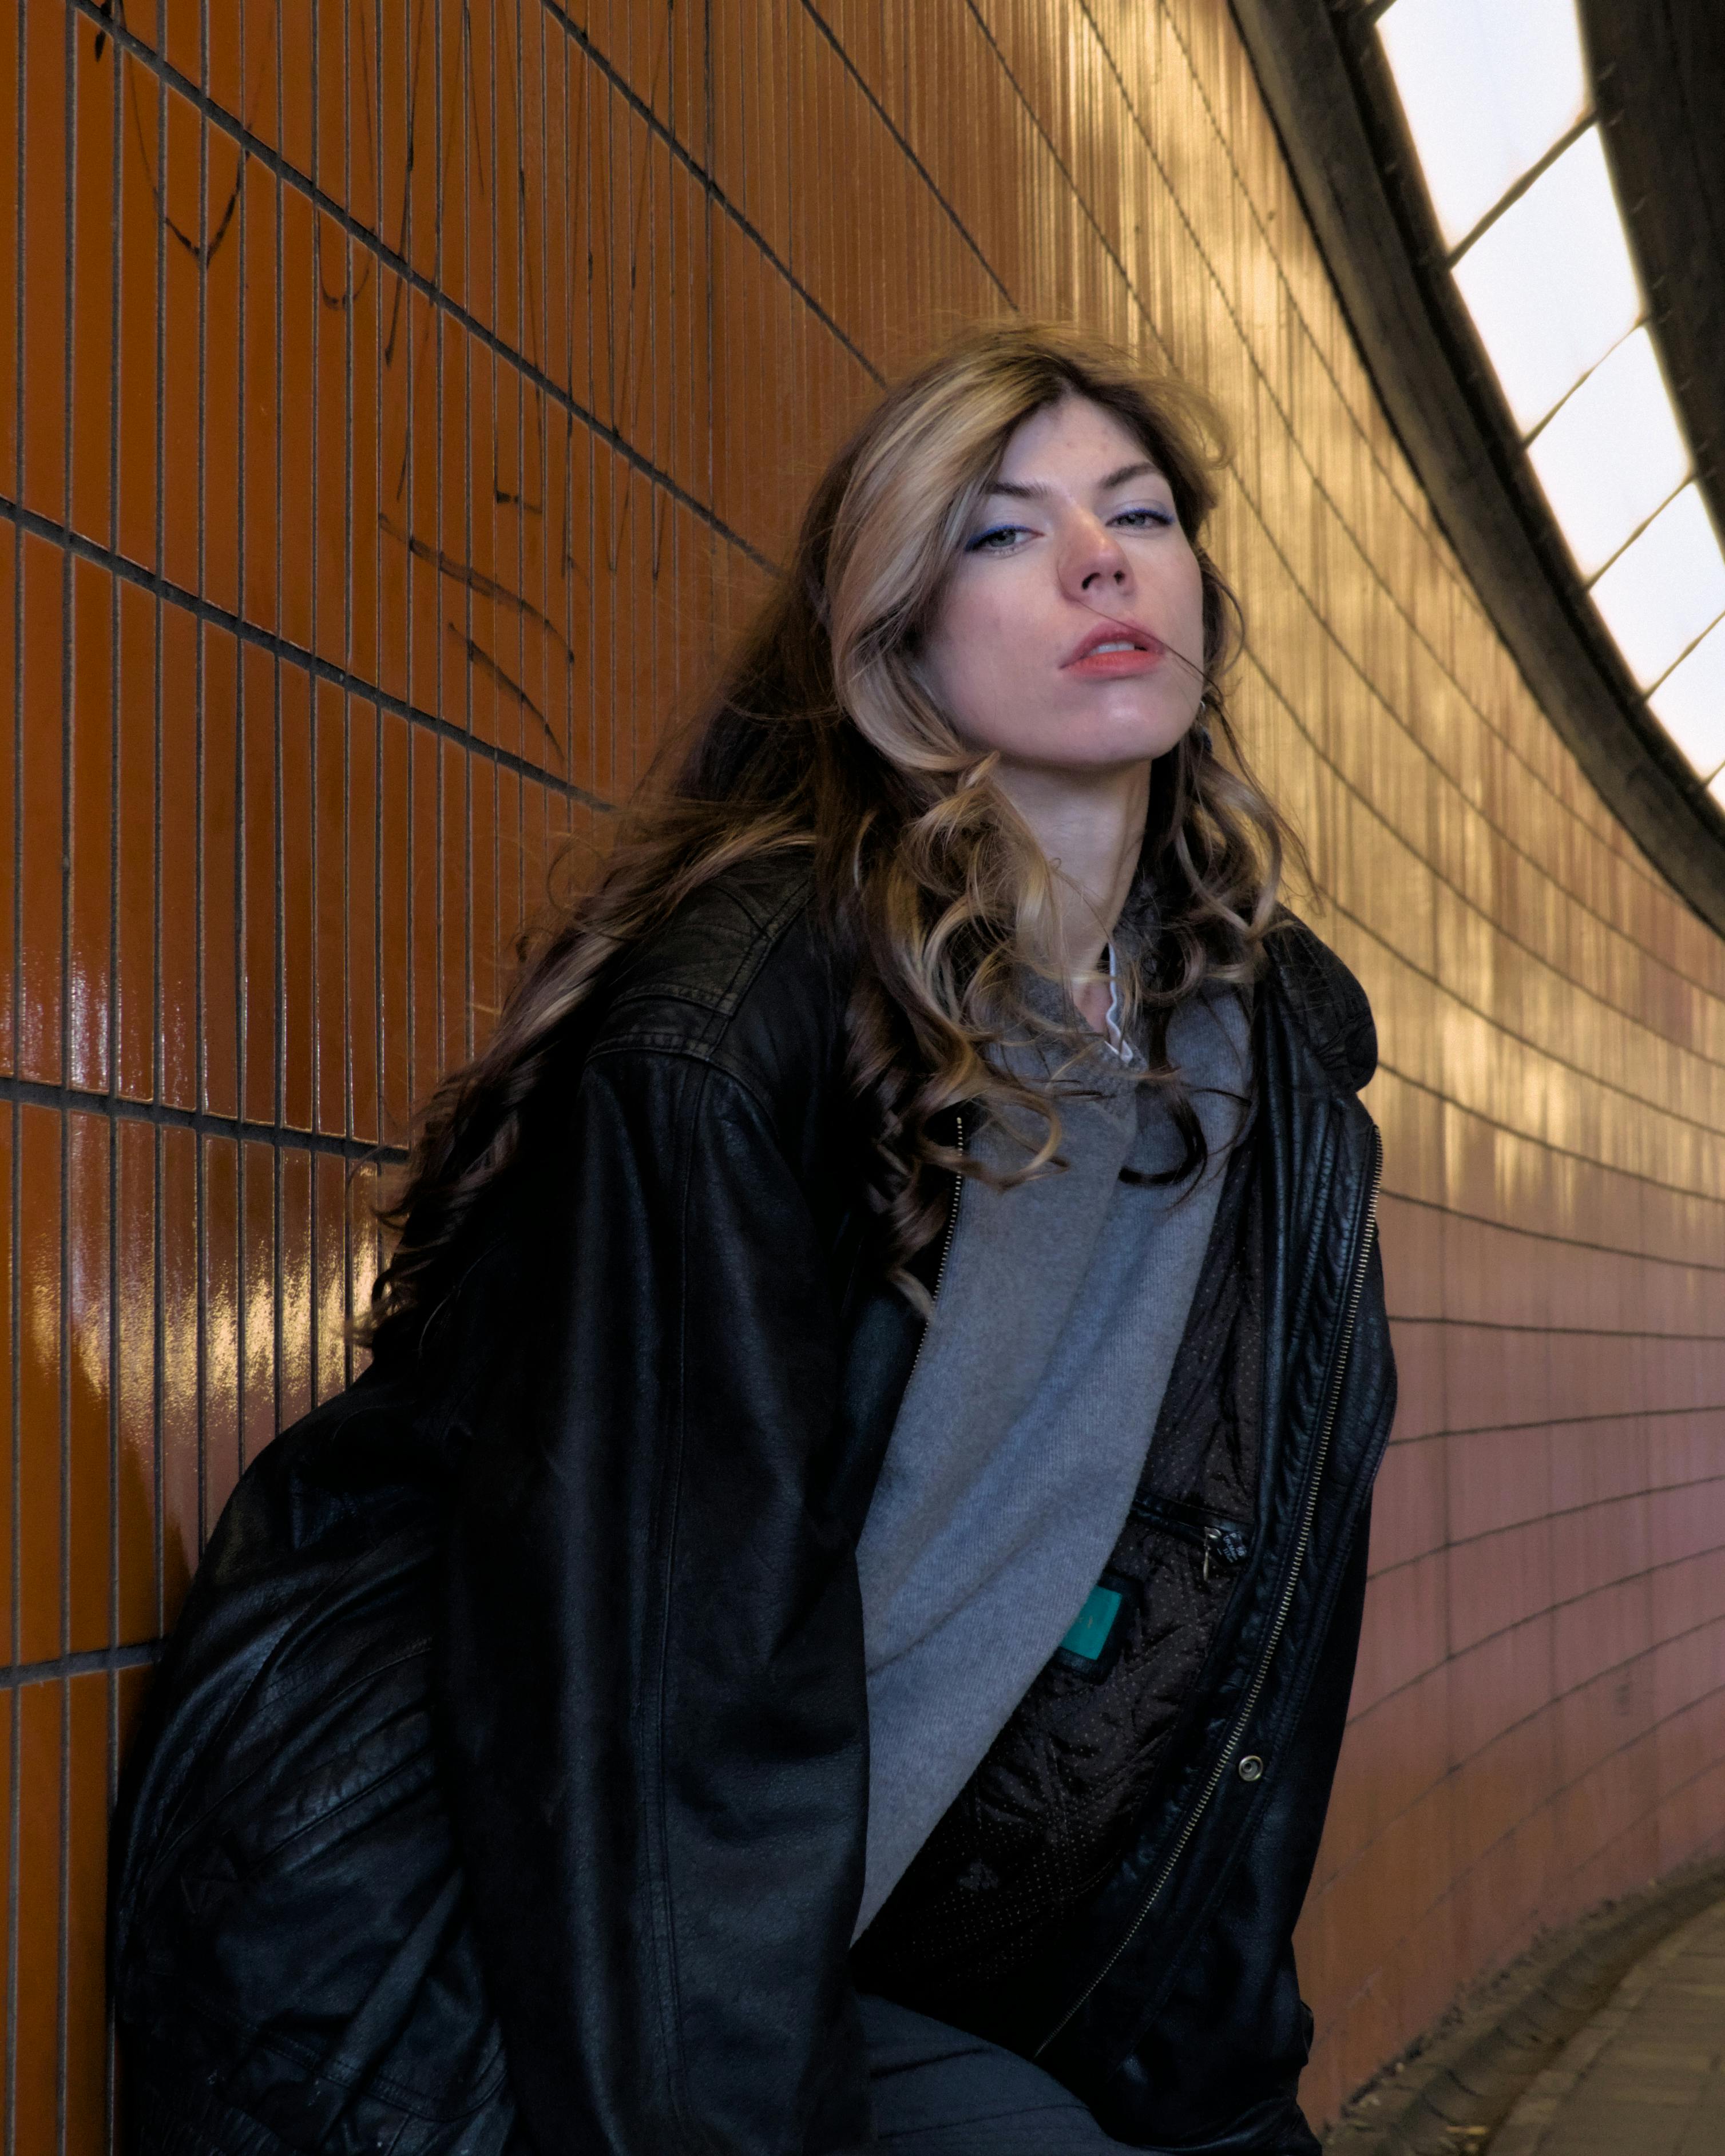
(1136, 519)
(999, 540)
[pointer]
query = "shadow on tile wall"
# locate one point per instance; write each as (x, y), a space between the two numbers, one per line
(398, 398)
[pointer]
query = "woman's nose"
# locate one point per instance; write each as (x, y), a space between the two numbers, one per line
(1096, 561)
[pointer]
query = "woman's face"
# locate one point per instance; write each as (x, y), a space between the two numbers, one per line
(1059, 641)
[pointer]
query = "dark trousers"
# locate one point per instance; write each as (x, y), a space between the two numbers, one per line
(939, 2092)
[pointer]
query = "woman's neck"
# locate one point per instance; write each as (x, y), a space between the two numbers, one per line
(1090, 826)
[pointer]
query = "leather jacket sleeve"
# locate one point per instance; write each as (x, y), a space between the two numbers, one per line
(652, 1676)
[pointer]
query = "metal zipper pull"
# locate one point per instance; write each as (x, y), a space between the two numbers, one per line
(1223, 1541)
(1224, 1548)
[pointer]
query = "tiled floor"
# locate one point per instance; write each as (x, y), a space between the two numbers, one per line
(1646, 2077)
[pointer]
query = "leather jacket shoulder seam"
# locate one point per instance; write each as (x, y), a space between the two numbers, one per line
(680, 1047)
(720, 1004)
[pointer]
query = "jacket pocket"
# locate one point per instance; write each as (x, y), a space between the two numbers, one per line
(1224, 1541)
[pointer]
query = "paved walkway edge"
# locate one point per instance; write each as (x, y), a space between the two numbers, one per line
(1457, 2084)
(1524, 2132)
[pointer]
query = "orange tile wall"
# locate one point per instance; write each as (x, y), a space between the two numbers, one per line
(397, 398)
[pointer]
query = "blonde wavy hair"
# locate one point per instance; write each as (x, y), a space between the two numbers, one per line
(821, 737)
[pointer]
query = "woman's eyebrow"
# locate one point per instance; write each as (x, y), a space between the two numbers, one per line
(1142, 468)
(1033, 491)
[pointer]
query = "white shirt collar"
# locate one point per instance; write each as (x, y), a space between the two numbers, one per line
(1116, 1040)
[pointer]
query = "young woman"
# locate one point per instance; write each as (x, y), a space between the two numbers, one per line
(829, 1620)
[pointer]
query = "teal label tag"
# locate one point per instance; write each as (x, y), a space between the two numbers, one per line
(1093, 1624)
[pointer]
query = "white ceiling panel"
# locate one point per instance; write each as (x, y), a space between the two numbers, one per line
(1550, 284)
(1689, 703)
(1665, 588)
(1487, 87)
(1611, 453)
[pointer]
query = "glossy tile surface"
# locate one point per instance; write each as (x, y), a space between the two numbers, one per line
(399, 400)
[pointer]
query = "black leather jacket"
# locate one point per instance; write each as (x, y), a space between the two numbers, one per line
(504, 1786)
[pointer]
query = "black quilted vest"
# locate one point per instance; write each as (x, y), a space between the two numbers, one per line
(1046, 1815)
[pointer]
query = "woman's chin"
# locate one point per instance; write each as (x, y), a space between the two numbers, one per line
(1091, 753)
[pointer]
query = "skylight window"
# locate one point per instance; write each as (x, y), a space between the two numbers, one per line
(1611, 453)
(1549, 283)
(1498, 102)
(1665, 589)
(1488, 87)
(1689, 703)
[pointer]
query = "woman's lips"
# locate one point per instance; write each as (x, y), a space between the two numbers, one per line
(1110, 652)
(1112, 665)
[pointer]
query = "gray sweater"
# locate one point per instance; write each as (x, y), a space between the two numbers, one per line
(1022, 1432)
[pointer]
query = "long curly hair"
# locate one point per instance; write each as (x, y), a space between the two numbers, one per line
(822, 737)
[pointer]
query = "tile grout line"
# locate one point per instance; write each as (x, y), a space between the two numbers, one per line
(57, 1669)
(314, 724)
(1545, 1235)
(200, 985)
(14, 1313)
(63, 1316)
(1555, 1331)
(248, 633)
(1506, 1031)
(111, 1027)
(288, 175)
(1590, 1161)
(110, 1067)
(1497, 923)
(159, 560)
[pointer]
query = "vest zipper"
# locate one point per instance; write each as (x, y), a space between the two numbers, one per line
(1223, 1541)
(1332, 1402)
(940, 1270)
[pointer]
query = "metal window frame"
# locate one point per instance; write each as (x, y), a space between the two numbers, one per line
(1328, 88)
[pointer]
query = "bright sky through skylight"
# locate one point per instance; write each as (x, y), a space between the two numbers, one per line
(1487, 86)
(1611, 453)
(1665, 588)
(1689, 703)
(1550, 284)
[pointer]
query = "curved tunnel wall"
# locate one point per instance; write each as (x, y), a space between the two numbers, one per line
(396, 397)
